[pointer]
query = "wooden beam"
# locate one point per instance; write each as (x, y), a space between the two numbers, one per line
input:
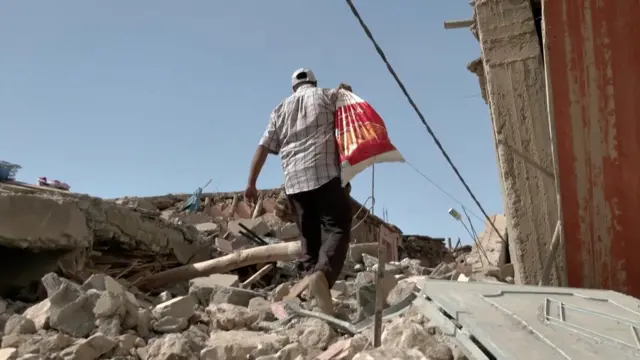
(458, 24)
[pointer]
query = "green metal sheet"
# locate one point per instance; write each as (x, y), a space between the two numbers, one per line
(511, 322)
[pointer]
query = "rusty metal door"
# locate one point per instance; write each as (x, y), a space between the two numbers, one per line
(592, 59)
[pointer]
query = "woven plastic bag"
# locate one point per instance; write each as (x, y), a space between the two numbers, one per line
(361, 135)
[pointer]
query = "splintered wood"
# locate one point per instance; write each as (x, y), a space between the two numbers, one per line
(258, 255)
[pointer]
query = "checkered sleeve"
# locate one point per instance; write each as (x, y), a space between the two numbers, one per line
(271, 139)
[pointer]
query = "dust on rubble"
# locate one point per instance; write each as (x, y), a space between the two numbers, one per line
(78, 300)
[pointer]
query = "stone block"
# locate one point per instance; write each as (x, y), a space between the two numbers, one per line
(232, 295)
(208, 227)
(202, 287)
(258, 226)
(39, 314)
(182, 307)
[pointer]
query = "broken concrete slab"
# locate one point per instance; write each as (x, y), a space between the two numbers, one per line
(369, 261)
(311, 333)
(8, 353)
(356, 251)
(288, 231)
(89, 349)
(170, 346)
(136, 202)
(52, 283)
(263, 307)
(229, 317)
(133, 229)
(39, 314)
(169, 324)
(202, 287)
(231, 242)
(232, 295)
(19, 324)
(73, 314)
(193, 218)
(345, 349)
(103, 282)
(242, 345)
(59, 230)
(38, 222)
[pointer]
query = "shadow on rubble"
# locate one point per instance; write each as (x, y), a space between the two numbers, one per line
(22, 269)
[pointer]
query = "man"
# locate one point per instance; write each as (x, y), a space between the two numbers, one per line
(302, 130)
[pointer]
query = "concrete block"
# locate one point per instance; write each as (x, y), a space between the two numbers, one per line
(39, 314)
(515, 77)
(288, 231)
(182, 307)
(258, 226)
(202, 287)
(9, 353)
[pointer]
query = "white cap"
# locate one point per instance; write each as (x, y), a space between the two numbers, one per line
(302, 75)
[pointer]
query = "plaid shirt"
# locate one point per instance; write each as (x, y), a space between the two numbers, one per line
(302, 130)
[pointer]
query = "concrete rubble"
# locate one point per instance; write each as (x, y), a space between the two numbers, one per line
(103, 318)
(76, 260)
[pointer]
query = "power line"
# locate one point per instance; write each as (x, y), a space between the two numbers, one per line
(443, 190)
(419, 113)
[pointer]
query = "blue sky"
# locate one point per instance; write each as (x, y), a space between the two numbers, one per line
(153, 97)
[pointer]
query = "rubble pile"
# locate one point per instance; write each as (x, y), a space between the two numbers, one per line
(125, 238)
(220, 213)
(213, 318)
(83, 235)
(430, 251)
(73, 265)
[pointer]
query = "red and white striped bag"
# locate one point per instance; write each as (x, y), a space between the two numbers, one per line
(361, 135)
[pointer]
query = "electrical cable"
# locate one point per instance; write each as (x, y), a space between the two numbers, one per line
(464, 207)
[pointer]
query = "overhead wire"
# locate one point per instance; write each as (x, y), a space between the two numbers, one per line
(382, 55)
(464, 207)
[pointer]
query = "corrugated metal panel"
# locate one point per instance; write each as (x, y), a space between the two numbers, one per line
(592, 52)
(515, 322)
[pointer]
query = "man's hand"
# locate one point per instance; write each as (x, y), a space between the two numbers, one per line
(345, 86)
(250, 194)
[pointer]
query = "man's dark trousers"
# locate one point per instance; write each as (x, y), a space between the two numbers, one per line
(323, 216)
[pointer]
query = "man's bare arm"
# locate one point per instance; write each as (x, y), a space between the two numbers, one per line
(256, 164)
